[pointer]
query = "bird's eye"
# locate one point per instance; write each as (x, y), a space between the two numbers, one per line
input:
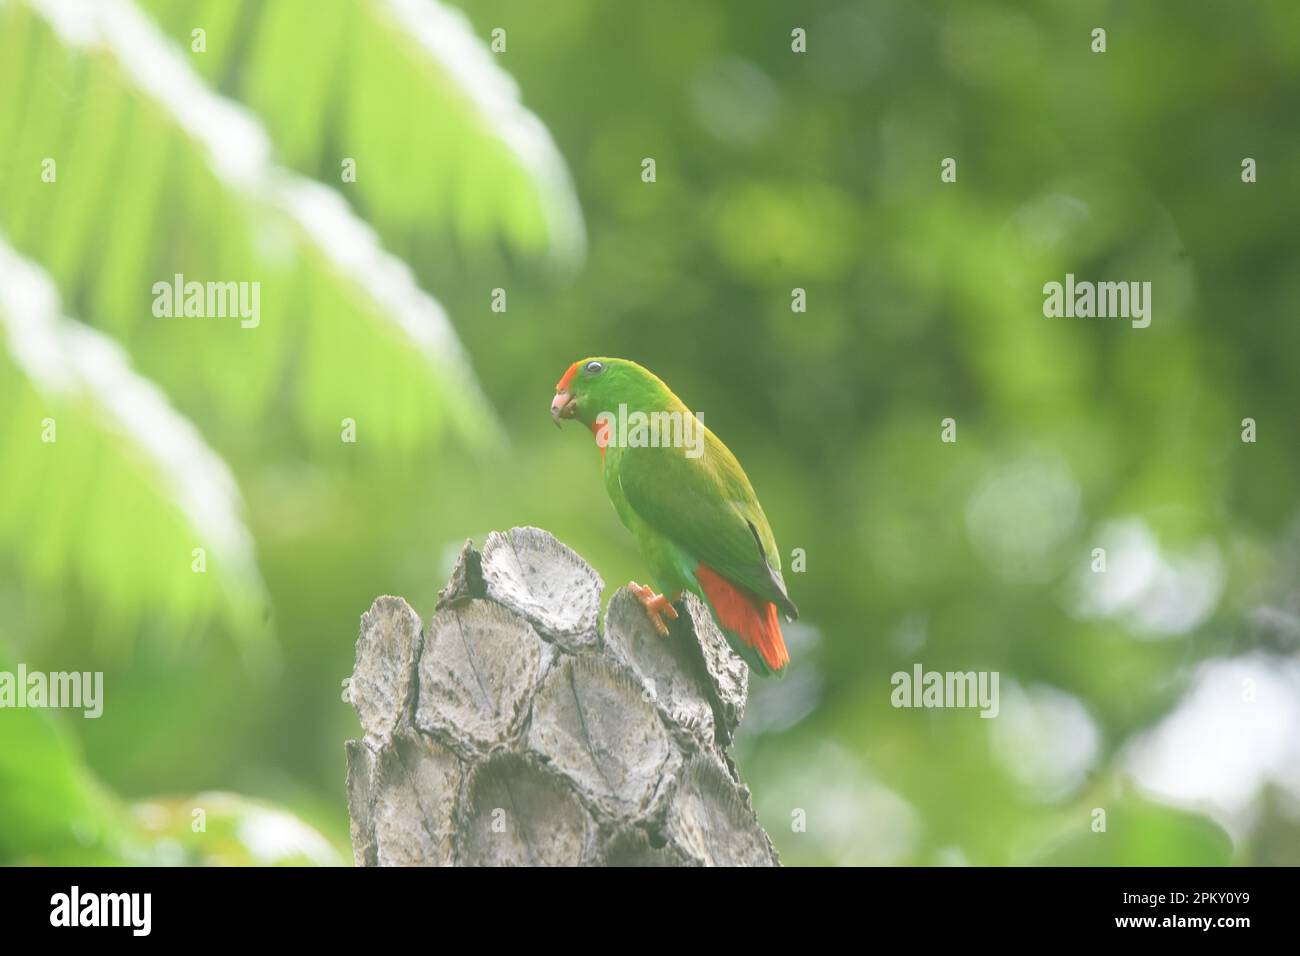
(594, 368)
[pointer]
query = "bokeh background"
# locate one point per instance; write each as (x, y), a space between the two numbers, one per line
(1164, 691)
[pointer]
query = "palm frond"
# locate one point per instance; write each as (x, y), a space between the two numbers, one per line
(97, 463)
(438, 130)
(159, 177)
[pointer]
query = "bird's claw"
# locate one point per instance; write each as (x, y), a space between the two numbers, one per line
(655, 605)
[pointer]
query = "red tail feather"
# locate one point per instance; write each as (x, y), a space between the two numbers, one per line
(754, 620)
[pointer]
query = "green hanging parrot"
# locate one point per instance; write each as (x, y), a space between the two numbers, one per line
(688, 503)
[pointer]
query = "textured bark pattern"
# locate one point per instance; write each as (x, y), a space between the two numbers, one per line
(514, 730)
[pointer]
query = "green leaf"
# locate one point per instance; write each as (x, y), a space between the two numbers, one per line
(97, 462)
(48, 801)
(1138, 832)
(159, 177)
(441, 139)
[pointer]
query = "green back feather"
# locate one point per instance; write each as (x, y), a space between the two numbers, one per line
(705, 505)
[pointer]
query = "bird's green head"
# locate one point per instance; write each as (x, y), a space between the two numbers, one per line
(597, 384)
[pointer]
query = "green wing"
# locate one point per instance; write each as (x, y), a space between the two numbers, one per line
(707, 507)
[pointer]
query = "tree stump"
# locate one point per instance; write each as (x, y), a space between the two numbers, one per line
(515, 730)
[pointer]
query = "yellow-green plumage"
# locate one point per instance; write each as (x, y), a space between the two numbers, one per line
(688, 503)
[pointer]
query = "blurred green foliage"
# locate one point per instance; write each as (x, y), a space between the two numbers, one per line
(775, 170)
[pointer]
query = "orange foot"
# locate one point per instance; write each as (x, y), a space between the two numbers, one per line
(655, 605)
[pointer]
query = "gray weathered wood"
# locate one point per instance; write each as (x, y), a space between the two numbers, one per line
(514, 729)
